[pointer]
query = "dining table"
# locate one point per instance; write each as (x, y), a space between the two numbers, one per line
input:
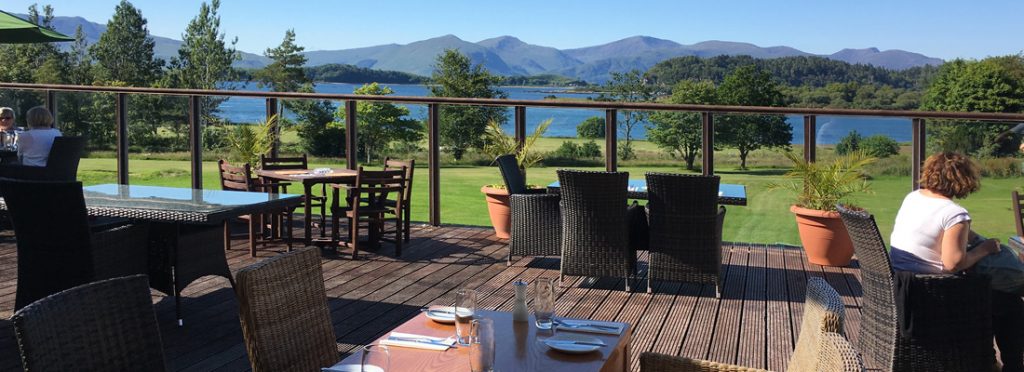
(729, 194)
(186, 227)
(310, 178)
(518, 347)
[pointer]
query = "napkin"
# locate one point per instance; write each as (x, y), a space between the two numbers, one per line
(406, 340)
(604, 328)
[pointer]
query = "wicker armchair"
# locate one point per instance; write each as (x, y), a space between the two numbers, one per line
(57, 249)
(685, 229)
(102, 326)
(951, 313)
(283, 309)
(821, 345)
(595, 237)
(536, 220)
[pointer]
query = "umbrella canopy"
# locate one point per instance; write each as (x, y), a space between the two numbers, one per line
(14, 30)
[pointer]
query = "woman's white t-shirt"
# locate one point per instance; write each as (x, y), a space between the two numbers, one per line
(34, 146)
(917, 234)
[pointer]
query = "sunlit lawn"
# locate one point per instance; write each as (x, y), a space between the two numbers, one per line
(766, 218)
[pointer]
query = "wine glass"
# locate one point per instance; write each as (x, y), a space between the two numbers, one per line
(376, 358)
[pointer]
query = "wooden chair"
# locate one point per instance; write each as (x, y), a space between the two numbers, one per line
(297, 162)
(410, 166)
(282, 304)
(235, 178)
(107, 325)
(821, 345)
(1018, 218)
(367, 206)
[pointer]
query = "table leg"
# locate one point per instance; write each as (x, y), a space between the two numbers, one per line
(308, 223)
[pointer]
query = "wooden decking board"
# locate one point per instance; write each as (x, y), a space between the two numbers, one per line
(753, 325)
(779, 333)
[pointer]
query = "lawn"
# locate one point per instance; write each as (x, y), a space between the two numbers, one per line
(765, 220)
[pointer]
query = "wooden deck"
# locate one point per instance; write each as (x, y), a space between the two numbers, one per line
(753, 324)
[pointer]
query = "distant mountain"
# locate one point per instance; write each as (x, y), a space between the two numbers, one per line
(509, 56)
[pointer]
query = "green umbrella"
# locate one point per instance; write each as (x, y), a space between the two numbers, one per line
(14, 30)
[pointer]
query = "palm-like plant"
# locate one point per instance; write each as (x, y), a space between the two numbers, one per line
(499, 143)
(247, 142)
(823, 185)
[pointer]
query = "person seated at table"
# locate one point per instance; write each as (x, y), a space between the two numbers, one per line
(931, 236)
(34, 144)
(7, 128)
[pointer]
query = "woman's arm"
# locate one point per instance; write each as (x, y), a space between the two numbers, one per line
(955, 257)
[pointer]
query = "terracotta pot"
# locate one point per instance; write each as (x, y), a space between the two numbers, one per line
(498, 207)
(823, 236)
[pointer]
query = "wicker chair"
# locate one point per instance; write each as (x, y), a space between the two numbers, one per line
(61, 165)
(951, 313)
(821, 345)
(107, 325)
(595, 238)
(57, 249)
(283, 309)
(685, 229)
(536, 219)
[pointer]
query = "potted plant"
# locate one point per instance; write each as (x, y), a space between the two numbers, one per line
(496, 195)
(819, 188)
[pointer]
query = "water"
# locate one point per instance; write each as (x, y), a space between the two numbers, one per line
(564, 120)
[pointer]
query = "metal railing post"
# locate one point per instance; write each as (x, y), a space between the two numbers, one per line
(707, 143)
(51, 104)
(810, 137)
(351, 136)
(611, 156)
(121, 120)
(271, 104)
(917, 151)
(195, 131)
(433, 162)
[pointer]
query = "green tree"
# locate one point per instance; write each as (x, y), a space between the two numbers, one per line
(749, 86)
(680, 133)
(463, 127)
(75, 116)
(285, 73)
(880, 146)
(319, 133)
(849, 143)
(204, 58)
(124, 53)
(629, 87)
(994, 84)
(31, 63)
(593, 127)
(381, 123)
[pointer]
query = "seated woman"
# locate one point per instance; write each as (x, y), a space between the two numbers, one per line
(34, 144)
(931, 235)
(7, 128)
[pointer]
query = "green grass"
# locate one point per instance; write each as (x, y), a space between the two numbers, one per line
(765, 220)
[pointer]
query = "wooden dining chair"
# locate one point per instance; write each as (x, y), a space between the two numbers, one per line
(239, 178)
(1018, 219)
(367, 206)
(410, 166)
(297, 162)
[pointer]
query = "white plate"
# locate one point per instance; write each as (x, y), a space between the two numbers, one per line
(351, 368)
(441, 314)
(562, 342)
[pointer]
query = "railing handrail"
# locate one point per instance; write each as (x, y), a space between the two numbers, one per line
(602, 105)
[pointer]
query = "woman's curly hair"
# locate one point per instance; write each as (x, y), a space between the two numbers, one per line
(950, 174)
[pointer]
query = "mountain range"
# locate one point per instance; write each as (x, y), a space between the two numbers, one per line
(507, 55)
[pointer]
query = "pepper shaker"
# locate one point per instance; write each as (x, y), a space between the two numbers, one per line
(519, 311)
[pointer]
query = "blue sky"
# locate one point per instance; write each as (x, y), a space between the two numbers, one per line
(939, 28)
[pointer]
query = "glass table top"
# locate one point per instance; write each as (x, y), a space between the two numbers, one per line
(174, 198)
(725, 190)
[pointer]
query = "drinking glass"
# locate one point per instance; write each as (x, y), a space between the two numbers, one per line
(465, 308)
(376, 358)
(481, 349)
(544, 302)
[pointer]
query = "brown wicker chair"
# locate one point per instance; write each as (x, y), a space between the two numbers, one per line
(536, 221)
(283, 309)
(951, 313)
(821, 345)
(595, 237)
(107, 325)
(685, 229)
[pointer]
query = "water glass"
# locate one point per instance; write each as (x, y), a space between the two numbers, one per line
(544, 302)
(465, 309)
(376, 358)
(481, 349)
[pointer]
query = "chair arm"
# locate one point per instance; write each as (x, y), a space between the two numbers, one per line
(120, 251)
(655, 362)
(947, 308)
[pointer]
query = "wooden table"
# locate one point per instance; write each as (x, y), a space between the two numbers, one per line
(516, 349)
(308, 180)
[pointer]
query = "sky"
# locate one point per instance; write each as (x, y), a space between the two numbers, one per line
(938, 28)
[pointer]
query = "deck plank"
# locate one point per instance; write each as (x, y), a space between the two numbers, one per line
(754, 324)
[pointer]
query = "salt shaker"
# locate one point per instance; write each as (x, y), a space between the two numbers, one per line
(519, 312)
